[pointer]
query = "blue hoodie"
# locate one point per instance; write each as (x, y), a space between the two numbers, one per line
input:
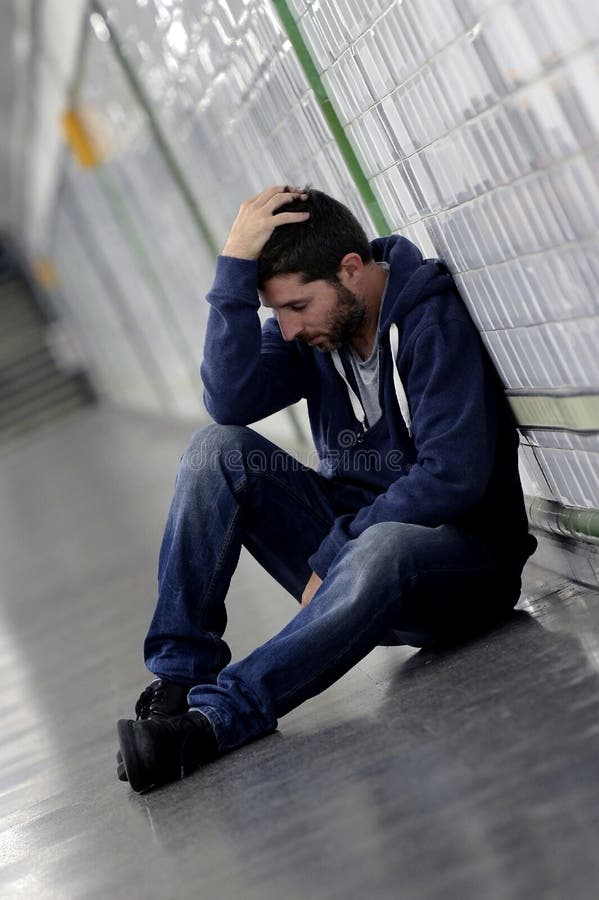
(450, 457)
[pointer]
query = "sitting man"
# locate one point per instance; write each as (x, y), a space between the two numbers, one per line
(413, 529)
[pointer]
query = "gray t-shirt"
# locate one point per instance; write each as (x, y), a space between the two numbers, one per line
(366, 371)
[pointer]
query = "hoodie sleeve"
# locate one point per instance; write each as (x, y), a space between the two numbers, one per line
(453, 402)
(248, 370)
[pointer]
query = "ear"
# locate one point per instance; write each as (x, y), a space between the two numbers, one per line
(350, 269)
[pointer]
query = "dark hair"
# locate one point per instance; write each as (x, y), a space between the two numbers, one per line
(313, 249)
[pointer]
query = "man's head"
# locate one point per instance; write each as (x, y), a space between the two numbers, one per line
(312, 273)
(313, 249)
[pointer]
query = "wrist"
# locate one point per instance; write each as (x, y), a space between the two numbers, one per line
(238, 252)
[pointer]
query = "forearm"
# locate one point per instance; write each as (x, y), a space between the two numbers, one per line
(247, 373)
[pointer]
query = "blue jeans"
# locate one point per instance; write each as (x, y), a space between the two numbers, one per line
(394, 584)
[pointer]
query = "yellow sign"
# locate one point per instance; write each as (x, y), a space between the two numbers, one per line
(45, 273)
(79, 139)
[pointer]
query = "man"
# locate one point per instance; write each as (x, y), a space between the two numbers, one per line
(413, 530)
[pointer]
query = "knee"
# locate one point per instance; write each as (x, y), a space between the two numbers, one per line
(231, 450)
(393, 546)
(210, 444)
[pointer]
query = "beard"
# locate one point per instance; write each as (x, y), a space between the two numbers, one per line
(346, 318)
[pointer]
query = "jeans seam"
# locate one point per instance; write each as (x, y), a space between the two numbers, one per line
(223, 553)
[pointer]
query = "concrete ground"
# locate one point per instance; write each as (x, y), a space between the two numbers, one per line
(465, 773)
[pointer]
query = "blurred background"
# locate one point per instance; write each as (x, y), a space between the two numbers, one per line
(132, 130)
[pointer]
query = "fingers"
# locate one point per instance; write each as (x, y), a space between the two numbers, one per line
(287, 218)
(279, 193)
(282, 197)
(257, 219)
(267, 193)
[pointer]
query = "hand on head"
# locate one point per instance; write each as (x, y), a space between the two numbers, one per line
(256, 221)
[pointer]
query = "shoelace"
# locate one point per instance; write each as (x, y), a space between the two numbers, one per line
(143, 707)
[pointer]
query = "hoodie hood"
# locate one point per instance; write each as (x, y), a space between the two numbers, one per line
(411, 280)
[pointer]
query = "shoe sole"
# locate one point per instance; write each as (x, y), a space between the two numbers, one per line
(120, 767)
(132, 766)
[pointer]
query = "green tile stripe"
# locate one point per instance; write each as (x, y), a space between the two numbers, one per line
(136, 244)
(567, 521)
(167, 153)
(124, 223)
(180, 180)
(320, 92)
(557, 412)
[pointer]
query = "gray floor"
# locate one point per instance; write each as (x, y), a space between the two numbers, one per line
(468, 773)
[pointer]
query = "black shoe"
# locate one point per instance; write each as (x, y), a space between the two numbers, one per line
(161, 698)
(156, 751)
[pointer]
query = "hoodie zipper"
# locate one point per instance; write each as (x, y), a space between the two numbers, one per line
(356, 403)
(400, 393)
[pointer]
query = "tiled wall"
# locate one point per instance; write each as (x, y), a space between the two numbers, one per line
(476, 124)
(227, 88)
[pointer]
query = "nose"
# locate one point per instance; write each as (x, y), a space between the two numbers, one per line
(290, 325)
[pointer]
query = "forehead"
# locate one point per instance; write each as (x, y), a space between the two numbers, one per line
(284, 289)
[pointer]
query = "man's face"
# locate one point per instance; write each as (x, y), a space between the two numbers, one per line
(322, 314)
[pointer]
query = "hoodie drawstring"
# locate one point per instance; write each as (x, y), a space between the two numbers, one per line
(400, 393)
(402, 399)
(356, 405)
